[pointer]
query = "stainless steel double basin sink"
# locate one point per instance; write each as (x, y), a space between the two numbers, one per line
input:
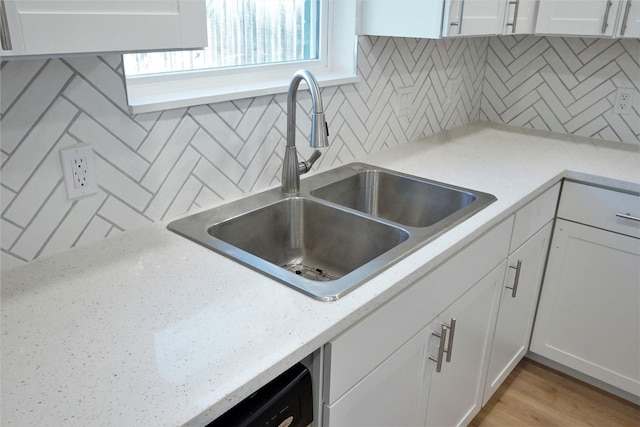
(344, 226)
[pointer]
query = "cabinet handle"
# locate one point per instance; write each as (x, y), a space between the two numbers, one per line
(625, 18)
(5, 36)
(440, 359)
(605, 23)
(628, 216)
(515, 16)
(460, 11)
(514, 289)
(452, 331)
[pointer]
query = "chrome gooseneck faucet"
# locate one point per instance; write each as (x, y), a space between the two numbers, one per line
(291, 169)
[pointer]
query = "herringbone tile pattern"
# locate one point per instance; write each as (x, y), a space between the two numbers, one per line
(153, 167)
(563, 85)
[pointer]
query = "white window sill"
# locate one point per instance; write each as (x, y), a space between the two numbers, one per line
(157, 96)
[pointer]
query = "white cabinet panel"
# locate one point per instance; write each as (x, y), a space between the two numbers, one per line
(455, 394)
(517, 308)
(534, 215)
(400, 18)
(577, 17)
(600, 207)
(588, 318)
(394, 394)
(473, 17)
(61, 27)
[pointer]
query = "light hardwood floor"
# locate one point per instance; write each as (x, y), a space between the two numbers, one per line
(534, 395)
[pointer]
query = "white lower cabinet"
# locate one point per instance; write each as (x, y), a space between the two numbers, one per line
(379, 371)
(517, 308)
(455, 394)
(589, 310)
(394, 394)
(435, 353)
(588, 317)
(528, 253)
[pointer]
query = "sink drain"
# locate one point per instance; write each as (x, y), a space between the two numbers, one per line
(310, 273)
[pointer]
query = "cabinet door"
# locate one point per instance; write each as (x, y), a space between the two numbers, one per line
(60, 27)
(517, 308)
(473, 17)
(520, 17)
(400, 18)
(588, 316)
(393, 394)
(578, 18)
(455, 393)
(629, 25)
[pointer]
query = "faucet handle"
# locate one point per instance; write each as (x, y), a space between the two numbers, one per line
(306, 166)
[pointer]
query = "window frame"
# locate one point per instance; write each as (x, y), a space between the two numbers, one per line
(337, 65)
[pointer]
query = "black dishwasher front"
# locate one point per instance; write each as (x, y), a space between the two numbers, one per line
(286, 401)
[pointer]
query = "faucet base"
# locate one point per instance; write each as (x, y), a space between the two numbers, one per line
(290, 171)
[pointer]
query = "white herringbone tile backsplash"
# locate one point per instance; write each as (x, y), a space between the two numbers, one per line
(565, 85)
(153, 167)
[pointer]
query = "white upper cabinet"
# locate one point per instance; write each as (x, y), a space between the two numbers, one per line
(450, 18)
(473, 17)
(578, 17)
(520, 17)
(430, 18)
(400, 18)
(629, 23)
(56, 27)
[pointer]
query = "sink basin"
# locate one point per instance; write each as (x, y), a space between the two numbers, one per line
(402, 199)
(341, 229)
(309, 239)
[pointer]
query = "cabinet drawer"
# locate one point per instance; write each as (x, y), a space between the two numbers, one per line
(534, 215)
(353, 354)
(600, 207)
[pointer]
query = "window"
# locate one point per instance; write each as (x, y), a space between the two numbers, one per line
(254, 48)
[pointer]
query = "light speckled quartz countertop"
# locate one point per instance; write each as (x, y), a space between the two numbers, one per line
(148, 328)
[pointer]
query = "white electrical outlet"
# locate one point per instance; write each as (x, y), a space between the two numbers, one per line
(78, 170)
(452, 89)
(623, 101)
(404, 100)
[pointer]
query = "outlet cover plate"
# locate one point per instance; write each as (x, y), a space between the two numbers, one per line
(623, 101)
(79, 171)
(404, 100)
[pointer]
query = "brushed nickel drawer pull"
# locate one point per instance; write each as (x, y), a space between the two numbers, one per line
(515, 16)
(452, 331)
(5, 35)
(440, 359)
(625, 19)
(605, 23)
(460, 12)
(628, 216)
(514, 288)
